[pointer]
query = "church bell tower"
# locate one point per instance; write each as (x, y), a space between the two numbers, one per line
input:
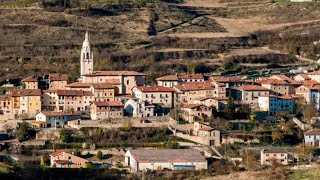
(86, 57)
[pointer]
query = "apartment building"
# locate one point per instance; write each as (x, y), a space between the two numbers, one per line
(73, 100)
(172, 80)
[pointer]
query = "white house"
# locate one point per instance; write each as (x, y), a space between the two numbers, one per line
(273, 156)
(158, 159)
(137, 108)
(273, 104)
(312, 138)
(53, 119)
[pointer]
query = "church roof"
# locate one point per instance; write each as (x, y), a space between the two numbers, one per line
(115, 73)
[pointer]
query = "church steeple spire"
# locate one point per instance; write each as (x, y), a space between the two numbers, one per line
(86, 57)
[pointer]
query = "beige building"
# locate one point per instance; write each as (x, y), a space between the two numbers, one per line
(188, 92)
(73, 100)
(26, 101)
(279, 86)
(159, 159)
(5, 104)
(57, 81)
(126, 79)
(195, 112)
(105, 110)
(315, 75)
(31, 82)
(49, 100)
(274, 156)
(211, 135)
(161, 95)
(64, 159)
(249, 94)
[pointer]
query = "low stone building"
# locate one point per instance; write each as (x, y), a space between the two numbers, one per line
(272, 156)
(194, 112)
(158, 159)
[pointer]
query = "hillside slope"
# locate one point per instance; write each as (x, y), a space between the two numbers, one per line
(156, 38)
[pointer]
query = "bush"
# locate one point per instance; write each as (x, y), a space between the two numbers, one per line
(99, 155)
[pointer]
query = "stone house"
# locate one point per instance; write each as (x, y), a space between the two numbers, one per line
(106, 109)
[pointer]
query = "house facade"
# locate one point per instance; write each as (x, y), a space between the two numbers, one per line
(274, 104)
(31, 82)
(161, 95)
(57, 81)
(194, 112)
(137, 108)
(172, 80)
(55, 119)
(73, 100)
(312, 138)
(106, 109)
(274, 156)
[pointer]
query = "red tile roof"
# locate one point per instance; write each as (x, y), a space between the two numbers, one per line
(115, 73)
(38, 122)
(58, 152)
(74, 93)
(206, 129)
(273, 82)
(310, 82)
(251, 88)
(108, 103)
(30, 79)
(56, 114)
(25, 92)
(194, 86)
(88, 85)
(191, 106)
(4, 97)
(155, 89)
(313, 132)
(58, 77)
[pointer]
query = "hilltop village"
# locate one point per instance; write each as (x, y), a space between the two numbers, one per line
(186, 122)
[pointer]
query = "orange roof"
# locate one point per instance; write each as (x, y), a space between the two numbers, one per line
(176, 77)
(206, 129)
(58, 152)
(115, 73)
(55, 114)
(25, 92)
(155, 89)
(38, 122)
(251, 88)
(88, 85)
(273, 82)
(310, 82)
(30, 79)
(313, 132)
(74, 93)
(58, 77)
(191, 106)
(194, 86)
(108, 103)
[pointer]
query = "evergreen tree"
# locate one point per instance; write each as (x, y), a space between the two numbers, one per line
(230, 110)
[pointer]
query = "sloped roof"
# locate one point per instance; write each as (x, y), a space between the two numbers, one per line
(55, 114)
(167, 155)
(314, 73)
(273, 82)
(276, 150)
(30, 79)
(115, 73)
(58, 77)
(108, 103)
(313, 132)
(227, 79)
(176, 77)
(88, 85)
(155, 89)
(252, 88)
(25, 92)
(305, 76)
(74, 93)
(192, 86)
(191, 106)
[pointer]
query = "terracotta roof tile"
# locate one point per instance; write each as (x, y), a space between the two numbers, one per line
(74, 93)
(314, 73)
(25, 92)
(176, 77)
(273, 82)
(88, 85)
(313, 132)
(58, 77)
(194, 86)
(108, 103)
(251, 88)
(155, 89)
(56, 114)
